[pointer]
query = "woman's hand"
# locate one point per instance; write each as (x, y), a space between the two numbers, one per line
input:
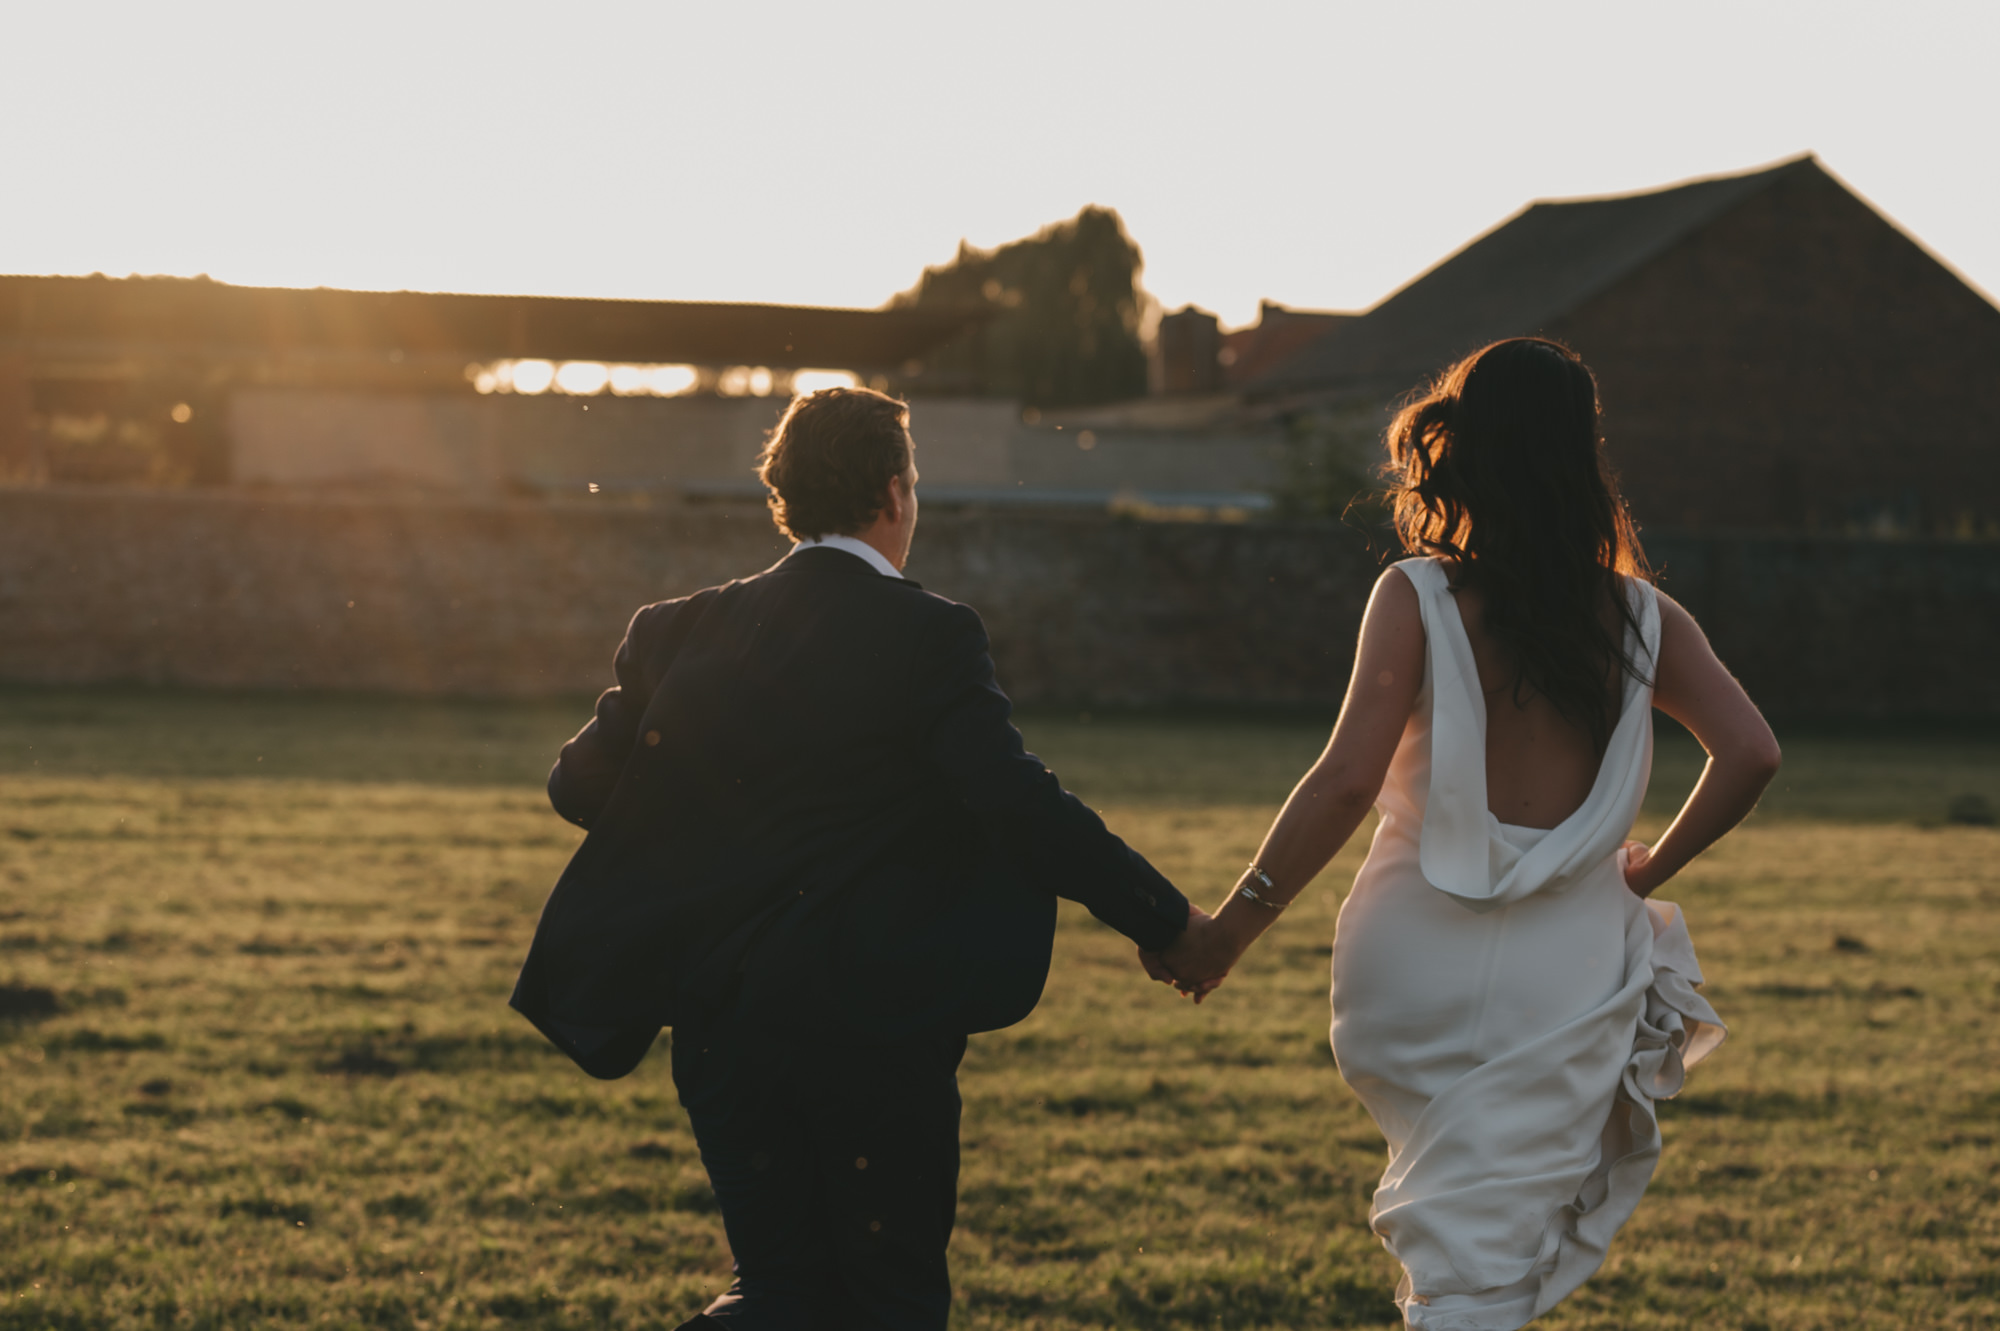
(1198, 961)
(1639, 878)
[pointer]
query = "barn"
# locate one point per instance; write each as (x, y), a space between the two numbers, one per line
(1771, 350)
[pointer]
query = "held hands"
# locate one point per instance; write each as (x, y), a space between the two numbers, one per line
(1196, 962)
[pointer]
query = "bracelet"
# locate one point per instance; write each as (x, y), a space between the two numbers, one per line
(1249, 893)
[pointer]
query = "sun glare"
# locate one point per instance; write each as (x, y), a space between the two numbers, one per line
(587, 378)
(811, 381)
(582, 377)
(670, 380)
(532, 376)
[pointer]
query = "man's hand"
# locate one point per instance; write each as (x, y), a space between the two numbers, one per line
(1196, 962)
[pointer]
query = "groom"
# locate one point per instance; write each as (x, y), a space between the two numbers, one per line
(819, 852)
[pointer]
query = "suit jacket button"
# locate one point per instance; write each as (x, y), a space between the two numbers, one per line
(652, 739)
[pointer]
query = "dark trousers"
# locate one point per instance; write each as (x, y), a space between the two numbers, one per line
(837, 1172)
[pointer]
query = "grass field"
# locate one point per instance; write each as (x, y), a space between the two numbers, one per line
(257, 1067)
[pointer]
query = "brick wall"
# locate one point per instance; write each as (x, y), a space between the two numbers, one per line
(1799, 363)
(230, 590)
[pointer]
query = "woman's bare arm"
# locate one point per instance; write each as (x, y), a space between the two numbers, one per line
(1697, 690)
(1335, 794)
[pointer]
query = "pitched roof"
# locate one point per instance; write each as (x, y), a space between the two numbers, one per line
(1249, 354)
(1539, 264)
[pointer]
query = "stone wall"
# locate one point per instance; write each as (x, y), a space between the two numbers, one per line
(1845, 626)
(224, 589)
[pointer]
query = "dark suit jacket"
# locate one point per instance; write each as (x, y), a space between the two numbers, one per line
(807, 808)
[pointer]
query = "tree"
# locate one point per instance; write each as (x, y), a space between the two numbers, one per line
(1062, 325)
(1333, 458)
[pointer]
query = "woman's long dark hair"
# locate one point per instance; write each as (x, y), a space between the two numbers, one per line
(1500, 467)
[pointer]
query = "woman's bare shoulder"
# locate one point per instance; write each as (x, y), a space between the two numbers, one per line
(1396, 589)
(1675, 621)
(1395, 615)
(1687, 659)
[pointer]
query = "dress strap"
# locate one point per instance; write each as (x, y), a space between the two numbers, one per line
(1455, 849)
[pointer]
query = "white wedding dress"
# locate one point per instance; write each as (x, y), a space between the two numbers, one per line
(1505, 1008)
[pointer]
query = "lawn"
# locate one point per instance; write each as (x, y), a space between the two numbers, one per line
(256, 1066)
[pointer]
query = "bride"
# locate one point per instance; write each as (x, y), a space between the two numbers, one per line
(1508, 1000)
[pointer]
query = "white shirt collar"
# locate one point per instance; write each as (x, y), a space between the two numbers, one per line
(876, 559)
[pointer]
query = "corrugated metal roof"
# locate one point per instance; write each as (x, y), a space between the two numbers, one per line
(195, 316)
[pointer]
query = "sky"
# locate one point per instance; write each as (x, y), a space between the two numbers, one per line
(1319, 155)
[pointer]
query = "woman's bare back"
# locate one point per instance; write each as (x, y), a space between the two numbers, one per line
(1540, 766)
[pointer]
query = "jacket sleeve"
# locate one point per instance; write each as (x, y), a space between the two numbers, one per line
(587, 770)
(976, 751)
